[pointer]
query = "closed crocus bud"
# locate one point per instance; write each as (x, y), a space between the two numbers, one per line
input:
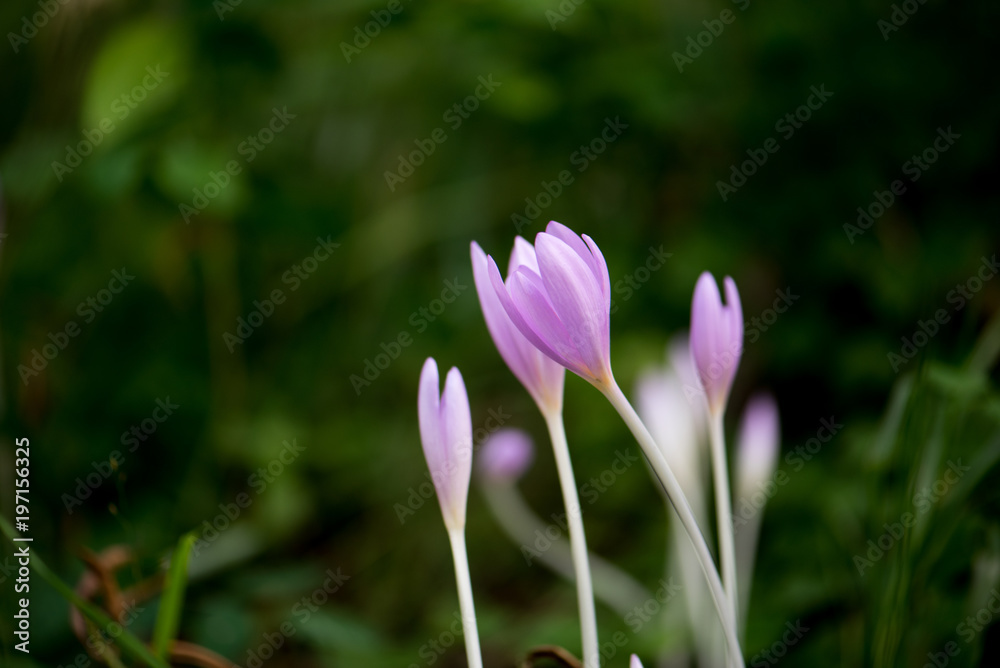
(541, 376)
(759, 440)
(635, 662)
(446, 434)
(716, 338)
(506, 455)
(563, 305)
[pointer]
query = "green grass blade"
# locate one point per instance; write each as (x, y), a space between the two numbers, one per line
(128, 643)
(169, 615)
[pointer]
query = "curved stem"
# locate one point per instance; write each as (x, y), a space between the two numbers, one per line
(468, 608)
(723, 509)
(673, 489)
(578, 541)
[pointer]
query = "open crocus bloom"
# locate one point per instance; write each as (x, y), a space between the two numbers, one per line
(446, 435)
(716, 338)
(542, 376)
(561, 302)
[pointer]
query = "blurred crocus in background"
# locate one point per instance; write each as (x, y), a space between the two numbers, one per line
(500, 463)
(716, 347)
(757, 458)
(446, 436)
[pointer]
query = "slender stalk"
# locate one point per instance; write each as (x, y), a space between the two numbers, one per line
(673, 489)
(578, 541)
(468, 608)
(723, 509)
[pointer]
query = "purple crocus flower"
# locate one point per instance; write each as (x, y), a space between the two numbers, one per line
(446, 434)
(540, 375)
(506, 455)
(562, 305)
(716, 338)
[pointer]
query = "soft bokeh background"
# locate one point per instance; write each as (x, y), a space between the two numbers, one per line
(351, 117)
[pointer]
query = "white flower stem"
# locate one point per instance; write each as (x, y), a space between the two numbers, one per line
(676, 495)
(578, 541)
(468, 608)
(723, 509)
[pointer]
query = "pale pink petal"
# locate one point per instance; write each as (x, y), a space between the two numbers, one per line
(429, 414)
(456, 429)
(601, 270)
(576, 298)
(523, 255)
(540, 375)
(544, 327)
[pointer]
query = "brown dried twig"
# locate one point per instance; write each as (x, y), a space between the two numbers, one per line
(553, 652)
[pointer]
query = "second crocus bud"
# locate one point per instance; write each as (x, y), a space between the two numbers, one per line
(506, 455)
(758, 444)
(446, 435)
(716, 338)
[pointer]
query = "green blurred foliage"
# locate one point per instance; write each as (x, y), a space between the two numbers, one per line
(232, 66)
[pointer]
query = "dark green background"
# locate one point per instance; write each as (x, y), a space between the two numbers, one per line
(656, 184)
